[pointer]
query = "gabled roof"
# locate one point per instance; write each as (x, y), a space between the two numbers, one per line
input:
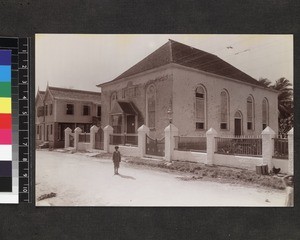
(41, 95)
(73, 94)
(175, 52)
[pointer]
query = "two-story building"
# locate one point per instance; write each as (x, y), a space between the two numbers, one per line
(59, 108)
(194, 89)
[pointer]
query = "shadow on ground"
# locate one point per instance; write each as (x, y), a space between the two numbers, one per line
(127, 177)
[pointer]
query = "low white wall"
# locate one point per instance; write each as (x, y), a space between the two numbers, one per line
(281, 163)
(198, 157)
(83, 146)
(245, 162)
(126, 150)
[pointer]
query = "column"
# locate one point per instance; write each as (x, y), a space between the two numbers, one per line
(94, 129)
(142, 132)
(77, 131)
(108, 130)
(268, 136)
(68, 131)
(170, 132)
(211, 134)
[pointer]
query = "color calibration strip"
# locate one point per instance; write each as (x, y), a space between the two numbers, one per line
(6, 184)
(14, 120)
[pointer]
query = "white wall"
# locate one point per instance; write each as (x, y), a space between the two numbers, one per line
(198, 157)
(186, 80)
(126, 150)
(249, 163)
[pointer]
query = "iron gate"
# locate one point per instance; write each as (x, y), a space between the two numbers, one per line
(155, 147)
(71, 137)
(99, 144)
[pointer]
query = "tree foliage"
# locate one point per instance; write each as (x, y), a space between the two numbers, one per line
(285, 102)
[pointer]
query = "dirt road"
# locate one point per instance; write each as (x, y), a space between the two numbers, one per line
(80, 180)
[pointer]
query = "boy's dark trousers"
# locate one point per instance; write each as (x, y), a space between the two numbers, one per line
(116, 168)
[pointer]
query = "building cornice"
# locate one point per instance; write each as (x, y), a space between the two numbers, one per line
(178, 66)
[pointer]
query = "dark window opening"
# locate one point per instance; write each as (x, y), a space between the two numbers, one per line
(86, 110)
(51, 129)
(249, 125)
(199, 95)
(46, 110)
(70, 109)
(199, 125)
(37, 130)
(264, 126)
(99, 111)
(223, 125)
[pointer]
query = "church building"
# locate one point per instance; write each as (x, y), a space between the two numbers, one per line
(193, 89)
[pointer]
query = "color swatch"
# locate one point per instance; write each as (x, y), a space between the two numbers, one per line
(5, 122)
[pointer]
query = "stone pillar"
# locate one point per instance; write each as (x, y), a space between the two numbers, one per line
(68, 131)
(142, 132)
(94, 129)
(170, 132)
(268, 136)
(291, 151)
(211, 134)
(108, 130)
(77, 131)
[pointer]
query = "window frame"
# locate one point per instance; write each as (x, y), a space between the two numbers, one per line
(227, 126)
(84, 107)
(73, 109)
(251, 124)
(149, 113)
(204, 100)
(266, 122)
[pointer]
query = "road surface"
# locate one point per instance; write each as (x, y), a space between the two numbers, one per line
(80, 180)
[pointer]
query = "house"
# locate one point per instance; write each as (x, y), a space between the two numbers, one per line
(193, 89)
(59, 108)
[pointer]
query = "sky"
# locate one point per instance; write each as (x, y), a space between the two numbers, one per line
(81, 61)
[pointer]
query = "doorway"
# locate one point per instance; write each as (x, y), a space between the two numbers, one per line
(130, 123)
(238, 123)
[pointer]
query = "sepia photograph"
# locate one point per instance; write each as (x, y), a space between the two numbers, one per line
(191, 120)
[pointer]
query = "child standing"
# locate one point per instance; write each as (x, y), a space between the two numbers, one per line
(116, 159)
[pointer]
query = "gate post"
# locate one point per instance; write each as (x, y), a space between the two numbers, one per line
(268, 146)
(67, 131)
(211, 134)
(107, 131)
(142, 132)
(77, 131)
(94, 129)
(291, 151)
(170, 132)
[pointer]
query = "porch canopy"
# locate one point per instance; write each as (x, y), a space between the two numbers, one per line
(124, 117)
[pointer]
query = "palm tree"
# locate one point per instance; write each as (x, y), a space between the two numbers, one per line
(285, 102)
(265, 82)
(285, 97)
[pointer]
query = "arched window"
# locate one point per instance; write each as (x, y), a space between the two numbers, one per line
(265, 113)
(224, 110)
(200, 107)
(250, 113)
(113, 99)
(150, 106)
